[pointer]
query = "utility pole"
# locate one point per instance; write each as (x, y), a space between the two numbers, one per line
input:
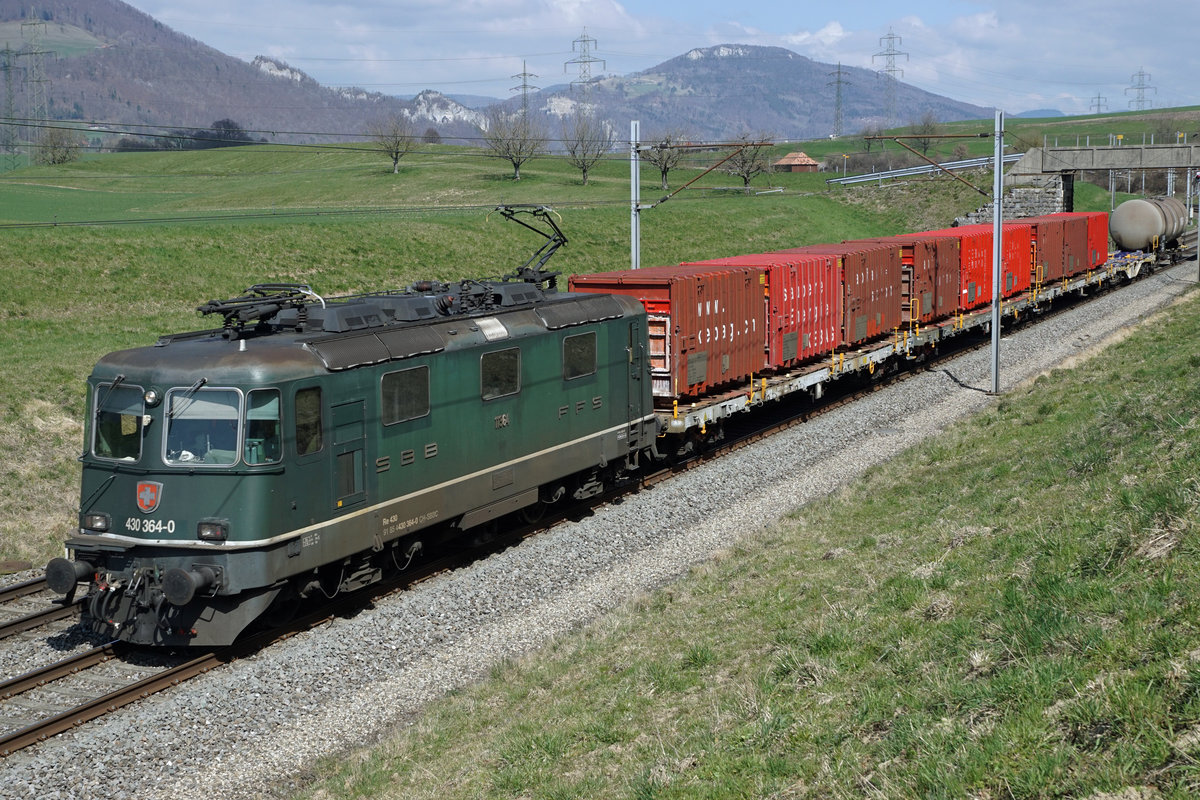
(1099, 103)
(33, 32)
(8, 134)
(524, 89)
(890, 69)
(583, 45)
(997, 248)
(837, 82)
(1139, 89)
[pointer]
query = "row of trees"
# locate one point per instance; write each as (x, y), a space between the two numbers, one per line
(517, 139)
(511, 137)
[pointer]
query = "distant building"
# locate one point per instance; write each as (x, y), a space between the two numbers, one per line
(796, 162)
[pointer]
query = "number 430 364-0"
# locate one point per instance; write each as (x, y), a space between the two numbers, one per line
(146, 525)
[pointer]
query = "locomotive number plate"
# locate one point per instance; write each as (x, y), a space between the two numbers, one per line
(143, 525)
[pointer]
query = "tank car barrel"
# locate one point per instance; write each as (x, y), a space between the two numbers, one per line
(1147, 223)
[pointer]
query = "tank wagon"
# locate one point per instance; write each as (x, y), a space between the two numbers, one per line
(307, 446)
(1148, 224)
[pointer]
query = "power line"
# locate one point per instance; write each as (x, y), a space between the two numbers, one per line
(890, 69)
(838, 82)
(585, 59)
(1099, 103)
(1139, 88)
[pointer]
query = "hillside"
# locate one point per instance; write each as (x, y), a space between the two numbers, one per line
(105, 61)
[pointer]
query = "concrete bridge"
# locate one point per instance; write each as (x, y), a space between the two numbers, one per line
(1043, 181)
(1040, 162)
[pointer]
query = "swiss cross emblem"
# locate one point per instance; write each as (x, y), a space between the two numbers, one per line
(148, 493)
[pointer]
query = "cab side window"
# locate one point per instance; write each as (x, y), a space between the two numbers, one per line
(579, 355)
(117, 425)
(308, 421)
(263, 430)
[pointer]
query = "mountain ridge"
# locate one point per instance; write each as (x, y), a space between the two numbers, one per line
(117, 66)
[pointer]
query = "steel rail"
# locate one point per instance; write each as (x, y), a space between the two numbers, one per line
(59, 669)
(31, 586)
(36, 619)
(86, 712)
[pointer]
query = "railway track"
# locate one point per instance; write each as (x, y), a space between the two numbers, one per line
(49, 708)
(15, 619)
(43, 703)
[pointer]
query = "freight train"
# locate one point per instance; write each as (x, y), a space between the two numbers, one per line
(310, 445)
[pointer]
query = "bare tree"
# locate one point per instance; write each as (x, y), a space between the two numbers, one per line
(750, 159)
(394, 137)
(925, 129)
(58, 146)
(664, 155)
(870, 130)
(587, 139)
(515, 138)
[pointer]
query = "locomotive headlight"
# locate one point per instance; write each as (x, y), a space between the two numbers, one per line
(96, 521)
(152, 397)
(212, 530)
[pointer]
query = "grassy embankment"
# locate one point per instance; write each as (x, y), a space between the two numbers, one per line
(1007, 611)
(338, 220)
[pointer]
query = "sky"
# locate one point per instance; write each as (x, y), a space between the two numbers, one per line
(1019, 55)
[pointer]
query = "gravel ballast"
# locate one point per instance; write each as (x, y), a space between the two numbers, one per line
(251, 728)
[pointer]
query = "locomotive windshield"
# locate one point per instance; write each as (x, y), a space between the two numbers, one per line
(117, 433)
(202, 426)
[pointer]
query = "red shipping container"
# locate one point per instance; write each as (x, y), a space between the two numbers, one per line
(1049, 247)
(1016, 261)
(704, 324)
(870, 287)
(1096, 252)
(1075, 244)
(802, 309)
(930, 282)
(975, 264)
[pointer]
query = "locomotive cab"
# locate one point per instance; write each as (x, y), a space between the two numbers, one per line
(173, 483)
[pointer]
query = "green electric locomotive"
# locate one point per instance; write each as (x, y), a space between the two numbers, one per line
(309, 445)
